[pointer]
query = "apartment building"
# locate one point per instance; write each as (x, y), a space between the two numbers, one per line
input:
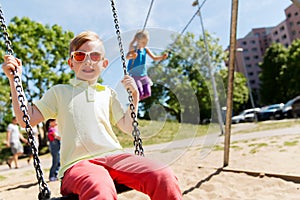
(251, 48)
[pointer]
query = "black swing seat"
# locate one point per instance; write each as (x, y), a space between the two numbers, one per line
(119, 187)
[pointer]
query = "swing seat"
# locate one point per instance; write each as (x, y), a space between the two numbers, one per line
(119, 187)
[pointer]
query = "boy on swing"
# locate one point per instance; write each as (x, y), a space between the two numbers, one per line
(91, 156)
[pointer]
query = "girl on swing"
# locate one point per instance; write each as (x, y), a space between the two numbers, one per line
(91, 156)
(137, 62)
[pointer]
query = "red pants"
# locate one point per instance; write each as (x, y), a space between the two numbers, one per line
(93, 179)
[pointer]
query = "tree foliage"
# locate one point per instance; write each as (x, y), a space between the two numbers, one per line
(240, 92)
(43, 50)
(280, 73)
(291, 72)
(183, 83)
(273, 75)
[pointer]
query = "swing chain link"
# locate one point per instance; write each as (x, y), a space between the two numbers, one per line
(135, 133)
(45, 192)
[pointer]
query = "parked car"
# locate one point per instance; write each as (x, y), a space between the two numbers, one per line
(247, 115)
(290, 109)
(270, 112)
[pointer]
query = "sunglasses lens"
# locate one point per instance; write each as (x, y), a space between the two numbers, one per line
(79, 56)
(95, 56)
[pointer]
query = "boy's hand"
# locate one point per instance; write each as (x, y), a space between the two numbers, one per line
(129, 83)
(11, 64)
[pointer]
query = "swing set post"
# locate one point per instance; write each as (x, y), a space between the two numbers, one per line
(232, 49)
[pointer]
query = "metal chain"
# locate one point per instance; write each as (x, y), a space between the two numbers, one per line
(43, 187)
(135, 133)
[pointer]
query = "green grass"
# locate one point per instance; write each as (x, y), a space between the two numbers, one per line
(256, 147)
(270, 125)
(155, 132)
(2, 178)
(292, 143)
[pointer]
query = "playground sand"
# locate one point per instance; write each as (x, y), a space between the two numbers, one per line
(264, 167)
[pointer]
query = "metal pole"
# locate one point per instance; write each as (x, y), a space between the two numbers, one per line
(241, 50)
(232, 49)
(216, 97)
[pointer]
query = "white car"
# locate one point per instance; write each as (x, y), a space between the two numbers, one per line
(247, 115)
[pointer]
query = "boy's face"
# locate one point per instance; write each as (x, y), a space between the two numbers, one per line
(88, 65)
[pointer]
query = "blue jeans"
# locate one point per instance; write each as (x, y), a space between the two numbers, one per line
(55, 153)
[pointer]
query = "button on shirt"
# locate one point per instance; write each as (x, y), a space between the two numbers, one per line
(84, 114)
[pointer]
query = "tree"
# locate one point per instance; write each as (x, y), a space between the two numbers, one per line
(5, 112)
(291, 72)
(182, 84)
(273, 77)
(43, 50)
(240, 91)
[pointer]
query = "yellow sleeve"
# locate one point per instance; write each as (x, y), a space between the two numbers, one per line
(48, 104)
(117, 111)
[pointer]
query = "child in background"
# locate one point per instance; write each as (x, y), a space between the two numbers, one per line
(13, 137)
(54, 146)
(137, 62)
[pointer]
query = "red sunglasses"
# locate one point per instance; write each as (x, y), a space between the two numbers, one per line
(80, 56)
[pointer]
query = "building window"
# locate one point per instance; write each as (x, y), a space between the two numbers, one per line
(254, 49)
(252, 82)
(283, 37)
(247, 58)
(277, 40)
(282, 28)
(288, 15)
(244, 42)
(291, 24)
(250, 74)
(256, 57)
(296, 13)
(248, 65)
(275, 32)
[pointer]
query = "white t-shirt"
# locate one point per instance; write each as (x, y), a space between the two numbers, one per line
(14, 133)
(84, 114)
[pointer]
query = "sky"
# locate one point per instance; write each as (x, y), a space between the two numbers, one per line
(78, 15)
(171, 16)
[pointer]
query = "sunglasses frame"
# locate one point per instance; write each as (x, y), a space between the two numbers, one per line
(85, 56)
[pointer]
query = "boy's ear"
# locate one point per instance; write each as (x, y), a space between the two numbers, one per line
(105, 63)
(70, 63)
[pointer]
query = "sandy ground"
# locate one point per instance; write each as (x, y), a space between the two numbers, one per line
(271, 159)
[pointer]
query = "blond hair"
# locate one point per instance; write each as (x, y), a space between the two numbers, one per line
(142, 34)
(84, 37)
